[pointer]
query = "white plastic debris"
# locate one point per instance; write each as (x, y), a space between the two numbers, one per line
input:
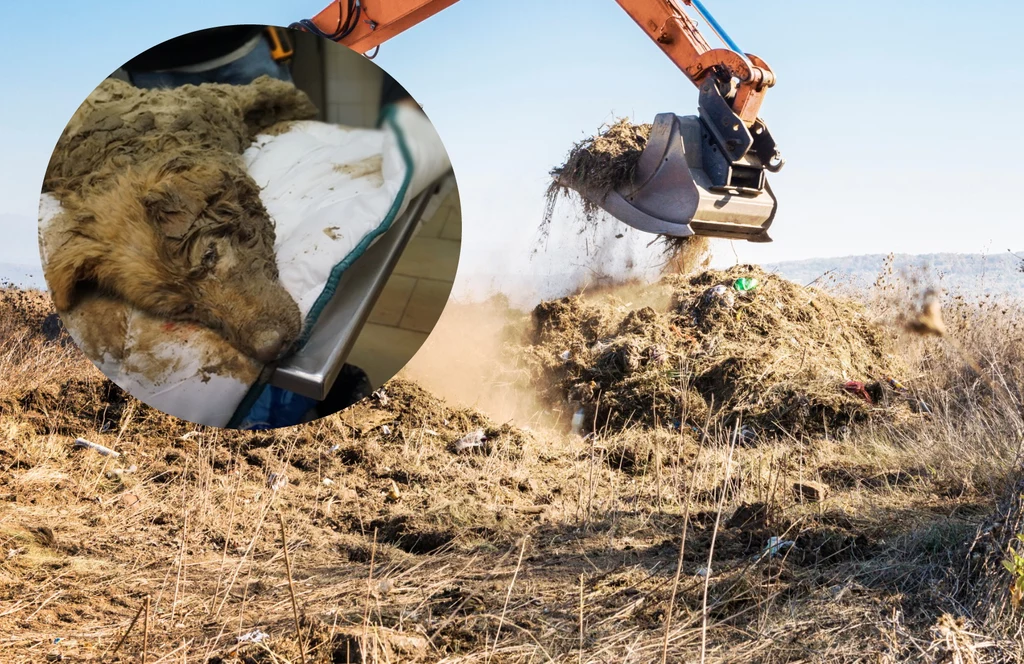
(335, 448)
(470, 440)
(255, 636)
(381, 396)
(276, 481)
(702, 571)
(720, 294)
(385, 586)
(105, 451)
(564, 356)
(327, 481)
(577, 421)
(386, 429)
(775, 546)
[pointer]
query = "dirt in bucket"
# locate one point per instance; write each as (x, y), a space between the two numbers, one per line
(602, 163)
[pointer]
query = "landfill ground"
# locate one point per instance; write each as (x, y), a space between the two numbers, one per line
(462, 516)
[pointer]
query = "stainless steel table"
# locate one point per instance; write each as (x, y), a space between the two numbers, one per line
(312, 371)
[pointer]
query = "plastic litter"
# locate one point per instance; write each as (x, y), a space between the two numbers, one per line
(577, 421)
(564, 356)
(255, 636)
(746, 284)
(721, 295)
(775, 546)
(381, 396)
(276, 481)
(471, 440)
(858, 388)
(896, 385)
(105, 451)
(386, 429)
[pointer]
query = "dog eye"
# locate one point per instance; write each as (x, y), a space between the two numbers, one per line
(187, 310)
(210, 257)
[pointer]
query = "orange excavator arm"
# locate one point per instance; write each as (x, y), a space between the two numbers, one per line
(363, 25)
(697, 175)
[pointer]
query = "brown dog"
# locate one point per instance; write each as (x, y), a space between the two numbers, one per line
(160, 212)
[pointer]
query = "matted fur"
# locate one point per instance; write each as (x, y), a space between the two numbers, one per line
(159, 211)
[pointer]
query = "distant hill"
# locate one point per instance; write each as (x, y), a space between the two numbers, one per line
(23, 276)
(998, 274)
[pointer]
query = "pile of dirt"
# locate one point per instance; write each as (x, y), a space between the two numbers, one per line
(26, 311)
(779, 358)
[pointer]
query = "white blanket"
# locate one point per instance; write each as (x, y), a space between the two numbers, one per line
(332, 191)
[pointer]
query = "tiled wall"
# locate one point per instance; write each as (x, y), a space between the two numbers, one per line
(413, 297)
(418, 289)
(352, 88)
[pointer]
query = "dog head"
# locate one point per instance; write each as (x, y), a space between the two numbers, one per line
(185, 237)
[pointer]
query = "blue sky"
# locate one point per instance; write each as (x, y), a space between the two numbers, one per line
(897, 120)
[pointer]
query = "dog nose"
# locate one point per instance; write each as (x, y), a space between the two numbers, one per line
(268, 345)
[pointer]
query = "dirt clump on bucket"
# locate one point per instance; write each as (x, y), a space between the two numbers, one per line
(602, 163)
(735, 347)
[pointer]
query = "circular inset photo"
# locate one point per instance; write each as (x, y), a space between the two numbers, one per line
(249, 227)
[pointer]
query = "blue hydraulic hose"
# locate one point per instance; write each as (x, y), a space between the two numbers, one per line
(719, 30)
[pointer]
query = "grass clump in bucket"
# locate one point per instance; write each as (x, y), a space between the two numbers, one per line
(600, 163)
(603, 163)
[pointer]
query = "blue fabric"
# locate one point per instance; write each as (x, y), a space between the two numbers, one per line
(242, 71)
(277, 408)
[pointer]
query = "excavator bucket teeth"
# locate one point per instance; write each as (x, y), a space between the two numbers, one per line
(673, 191)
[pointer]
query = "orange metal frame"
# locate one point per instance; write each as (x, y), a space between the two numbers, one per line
(673, 32)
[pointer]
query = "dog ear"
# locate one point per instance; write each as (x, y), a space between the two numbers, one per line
(178, 163)
(167, 210)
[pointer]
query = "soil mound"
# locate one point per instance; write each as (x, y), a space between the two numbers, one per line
(24, 311)
(777, 358)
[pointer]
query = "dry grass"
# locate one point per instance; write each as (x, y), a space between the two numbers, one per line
(541, 546)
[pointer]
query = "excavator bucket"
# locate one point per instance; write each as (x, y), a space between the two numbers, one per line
(685, 185)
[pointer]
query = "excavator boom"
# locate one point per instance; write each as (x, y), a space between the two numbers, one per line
(697, 175)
